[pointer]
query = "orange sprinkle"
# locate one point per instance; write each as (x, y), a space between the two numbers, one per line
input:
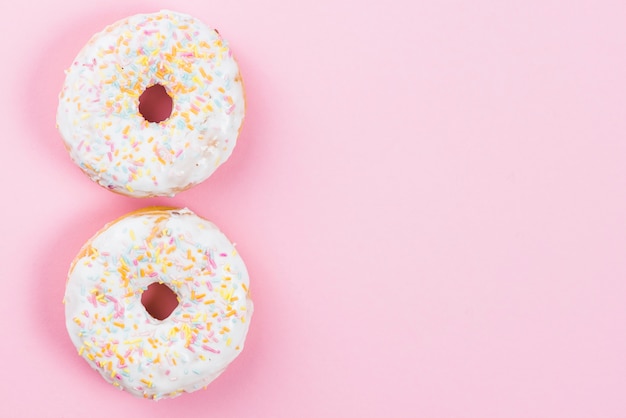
(205, 75)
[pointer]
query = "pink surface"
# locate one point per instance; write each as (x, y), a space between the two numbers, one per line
(429, 195)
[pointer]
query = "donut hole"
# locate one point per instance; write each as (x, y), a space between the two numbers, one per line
(159, 301)
(155, 105)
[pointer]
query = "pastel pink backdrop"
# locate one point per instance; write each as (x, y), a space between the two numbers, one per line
(429, 196)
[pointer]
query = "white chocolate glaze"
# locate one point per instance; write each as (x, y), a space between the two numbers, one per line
(98, 114)
(111, 328)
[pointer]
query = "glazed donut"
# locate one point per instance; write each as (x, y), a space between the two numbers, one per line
(114, 332)
(98, 115)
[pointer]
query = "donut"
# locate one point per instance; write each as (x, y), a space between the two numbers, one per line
(114, 332)
(99, 116)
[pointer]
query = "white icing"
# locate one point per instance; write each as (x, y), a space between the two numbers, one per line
(111, 328)
(98, 114)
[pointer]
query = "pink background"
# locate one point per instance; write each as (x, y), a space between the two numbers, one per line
(429, 195)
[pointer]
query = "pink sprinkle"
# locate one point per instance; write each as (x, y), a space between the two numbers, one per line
(110, 156)
(211, 261)
(211, 349)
